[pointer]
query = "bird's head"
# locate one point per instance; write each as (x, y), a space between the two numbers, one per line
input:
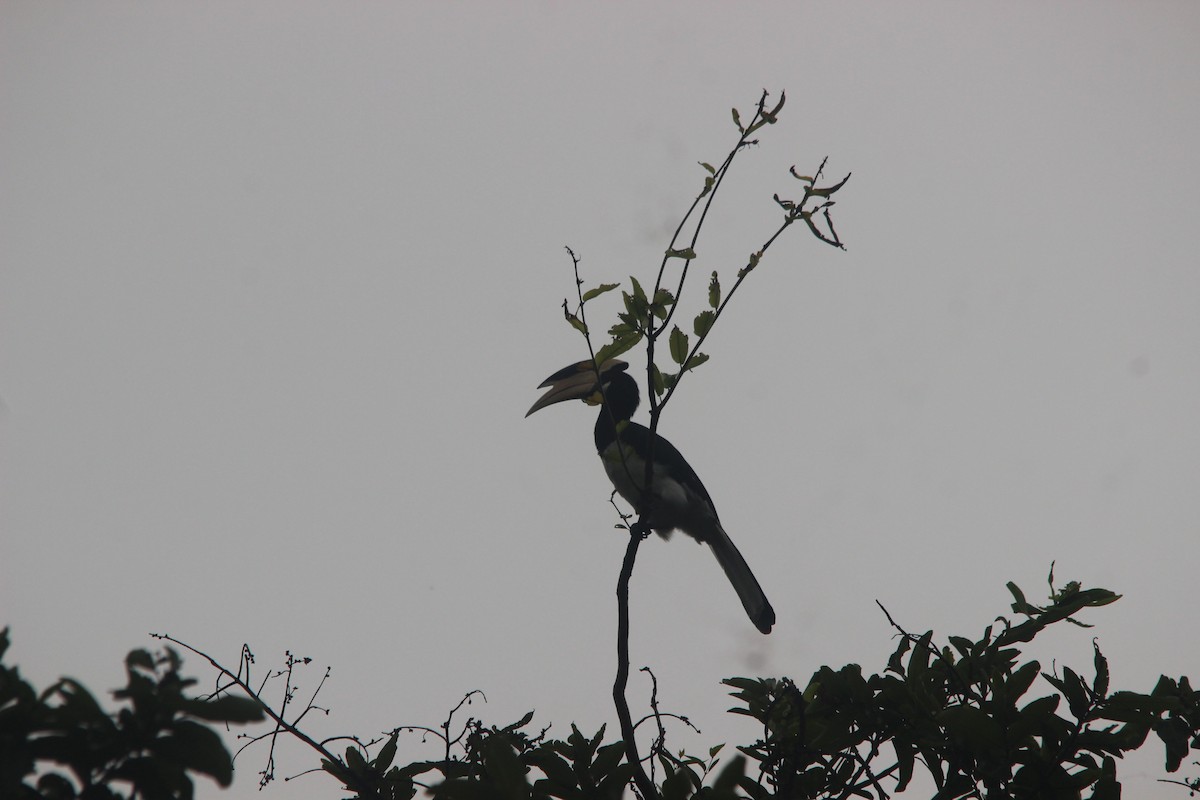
(578, 382)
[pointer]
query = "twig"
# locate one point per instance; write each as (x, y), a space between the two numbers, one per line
(347, 777)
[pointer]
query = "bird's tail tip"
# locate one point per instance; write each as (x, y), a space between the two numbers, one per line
(764, 620)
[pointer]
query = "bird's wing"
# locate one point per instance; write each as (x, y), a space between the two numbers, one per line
(668, 459)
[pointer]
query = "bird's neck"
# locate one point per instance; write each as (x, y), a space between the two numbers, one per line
(606, 429)
(621, 400)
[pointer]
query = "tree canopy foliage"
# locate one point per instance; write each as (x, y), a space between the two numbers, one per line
(968, 712)
(60, 743)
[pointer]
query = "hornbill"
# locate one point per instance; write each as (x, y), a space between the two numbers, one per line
(680, 501)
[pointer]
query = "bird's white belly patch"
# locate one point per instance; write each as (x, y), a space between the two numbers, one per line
(628, 475)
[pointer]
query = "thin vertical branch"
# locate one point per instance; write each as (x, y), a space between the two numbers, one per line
(644, 785)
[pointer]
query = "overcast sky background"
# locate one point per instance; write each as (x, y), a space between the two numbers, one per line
(279, 280)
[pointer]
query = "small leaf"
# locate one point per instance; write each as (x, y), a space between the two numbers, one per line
(663, 301)
(1107, 787)
(737, 120)
(730, 777)
(386, 754)
(1020, 604)
(906, 756)
(656, 381)
(714, 290)
(1174, 734)
(709, 167)
(140, 658)
(521, 723)
(355, 761)
(1100, 684)
(896, 662)
(577, 324)
(962, 645)
(1073, 688)
(639, 294)
(703, 322)
(828, 190)
(918, 662)
(617, 346)
(751, 263)
(685, 252)
(695, 361)
(679, 345)
(1020, 680)
(636, 304)
(772, 116)
(196, 747)
(599, 290)
(806, 178)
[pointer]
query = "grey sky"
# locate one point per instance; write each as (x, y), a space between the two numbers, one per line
(278, 281)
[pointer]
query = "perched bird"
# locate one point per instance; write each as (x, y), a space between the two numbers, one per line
(679, 500)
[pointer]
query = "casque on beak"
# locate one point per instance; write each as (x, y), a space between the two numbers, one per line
(576, 382)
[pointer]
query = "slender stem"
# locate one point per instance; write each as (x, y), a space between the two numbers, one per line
(707, 197)
(644, 785)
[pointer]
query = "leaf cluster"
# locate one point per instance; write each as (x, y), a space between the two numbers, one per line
(962, 710)
(495, 762)
(503, 763)
(60, 744)
(647, 315)
(969, 712)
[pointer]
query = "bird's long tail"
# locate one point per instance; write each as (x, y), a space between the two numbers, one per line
(758, 608)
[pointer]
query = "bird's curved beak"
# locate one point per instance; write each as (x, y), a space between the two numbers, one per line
(578, 381)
